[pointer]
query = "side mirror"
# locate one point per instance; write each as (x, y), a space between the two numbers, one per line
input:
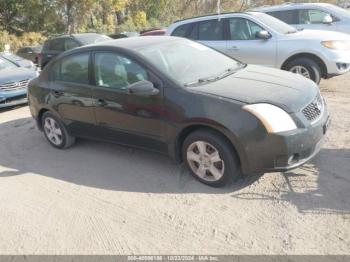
(263, 34)
(143, 88)
(327, 19)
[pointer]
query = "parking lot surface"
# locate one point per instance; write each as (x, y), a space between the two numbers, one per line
(100, 198)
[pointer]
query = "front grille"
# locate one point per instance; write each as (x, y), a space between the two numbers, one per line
(314, 109)
(14, 85)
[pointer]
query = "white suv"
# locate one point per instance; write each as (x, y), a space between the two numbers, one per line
(317, 16)
(258, 38)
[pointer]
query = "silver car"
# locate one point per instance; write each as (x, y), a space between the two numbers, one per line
(317, 16)
(258, 38)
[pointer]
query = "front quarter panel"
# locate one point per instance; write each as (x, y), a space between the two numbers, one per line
(187, 108)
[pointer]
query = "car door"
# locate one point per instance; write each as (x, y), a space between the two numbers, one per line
(71, 93)
(314, 19)
(121, 116)
(244, 45)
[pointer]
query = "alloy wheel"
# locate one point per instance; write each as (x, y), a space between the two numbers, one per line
(300, 70)
(53, 131)
(205, 161)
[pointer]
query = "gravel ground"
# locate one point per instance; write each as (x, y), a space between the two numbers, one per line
(99, 198)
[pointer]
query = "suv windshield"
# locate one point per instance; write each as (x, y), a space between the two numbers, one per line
(190, 63)
(87, 39)
(339, 10)
(274, 23)
(4, 64)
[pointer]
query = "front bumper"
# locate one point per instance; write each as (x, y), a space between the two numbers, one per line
(288, 150)
(8, 99)
(337, 62)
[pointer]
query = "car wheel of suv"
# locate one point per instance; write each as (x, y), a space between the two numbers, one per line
(210, 158)
(305, 67)
(55, 132)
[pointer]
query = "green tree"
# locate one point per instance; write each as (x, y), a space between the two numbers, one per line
(10, 12)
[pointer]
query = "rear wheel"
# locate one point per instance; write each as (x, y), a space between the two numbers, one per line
(210, 158)
(55, 132)
(305, 67)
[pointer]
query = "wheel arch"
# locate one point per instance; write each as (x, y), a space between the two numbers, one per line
(224, 133)
(41, 112)
(315, 58)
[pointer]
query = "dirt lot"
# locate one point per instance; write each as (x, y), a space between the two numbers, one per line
(99, 198)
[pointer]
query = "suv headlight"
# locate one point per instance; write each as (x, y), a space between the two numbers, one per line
(338, 45)
(273, 118)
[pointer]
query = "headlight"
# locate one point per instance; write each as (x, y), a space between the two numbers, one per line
(339, 45)
(273, 118)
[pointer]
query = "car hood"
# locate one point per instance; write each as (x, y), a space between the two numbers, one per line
(318, 35)
(16, 74)
(255, 84)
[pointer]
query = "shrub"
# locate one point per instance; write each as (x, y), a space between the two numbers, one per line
(16, 42)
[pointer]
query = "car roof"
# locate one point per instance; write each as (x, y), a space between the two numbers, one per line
(132, 43)
(287, 6)
(202, 17)
(72, 35)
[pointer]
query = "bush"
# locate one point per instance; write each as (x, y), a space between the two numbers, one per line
(16, 42)
(32, 39)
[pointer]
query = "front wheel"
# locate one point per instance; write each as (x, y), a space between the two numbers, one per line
(210, 158)
(55, 132)
(305, 67)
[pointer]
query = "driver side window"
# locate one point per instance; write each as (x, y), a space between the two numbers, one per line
(243, 29)
(117, 72)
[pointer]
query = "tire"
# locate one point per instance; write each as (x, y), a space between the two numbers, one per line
(313, 69)
(227, 166)
(55, 131)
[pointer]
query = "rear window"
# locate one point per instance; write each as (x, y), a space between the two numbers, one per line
(73, 69)
(288, 16)
(92, 38)
(211, 30)
(55, 45)
(181, 31)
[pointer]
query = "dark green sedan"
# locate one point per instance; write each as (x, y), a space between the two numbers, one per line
(178, 97)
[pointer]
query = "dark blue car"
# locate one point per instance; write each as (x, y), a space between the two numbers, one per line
(13, 83)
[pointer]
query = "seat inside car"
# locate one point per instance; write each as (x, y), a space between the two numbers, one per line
(110, 72)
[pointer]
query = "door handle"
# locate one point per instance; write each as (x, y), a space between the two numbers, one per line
(57, 93)
(234, 48)
(101, 102)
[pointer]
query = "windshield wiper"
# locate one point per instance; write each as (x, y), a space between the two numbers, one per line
(225, 73)
(201, 80)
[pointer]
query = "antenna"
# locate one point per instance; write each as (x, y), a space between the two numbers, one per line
(219, 10)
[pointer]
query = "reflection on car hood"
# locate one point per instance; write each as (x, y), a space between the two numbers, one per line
(320, 35)
(255, 84)
(16, 74)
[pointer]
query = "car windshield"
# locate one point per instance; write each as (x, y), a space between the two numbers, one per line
(274, 23)
(12, 57)
(189, 63)
(92, 38)
(4, 64)
(339, 10)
